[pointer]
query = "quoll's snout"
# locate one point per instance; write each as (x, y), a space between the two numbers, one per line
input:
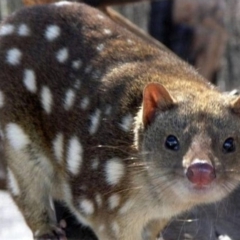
(201, 173)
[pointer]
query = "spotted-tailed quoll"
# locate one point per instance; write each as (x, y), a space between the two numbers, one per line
(124, 133)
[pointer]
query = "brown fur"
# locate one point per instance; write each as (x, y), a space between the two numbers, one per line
(152, 185)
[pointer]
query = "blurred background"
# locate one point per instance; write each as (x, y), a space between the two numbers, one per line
(206, 34)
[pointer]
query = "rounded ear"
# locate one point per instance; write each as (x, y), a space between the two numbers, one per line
(155, 97)
(235, 105)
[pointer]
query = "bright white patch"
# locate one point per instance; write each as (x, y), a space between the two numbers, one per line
(74, 156)
(126, 123)
(224, 237)
(100, 47)
(115, 228)
(29, 80)
(1, 99)
(58, 147)
(6, 29)
(137, 125)
(46, 99)
(107, 31)
(114, 171)
(99, 200)
(12, 183)
(62, 3)
(85, 103)
(126, 207)
(77, 84)
(77, 64)
(69, 99)
(62, 55)
(23, 30)
(86, 206)
(16, 136)
(95, 120)
(14, 56)
(95, 163)
(114, 201)
(52, 32)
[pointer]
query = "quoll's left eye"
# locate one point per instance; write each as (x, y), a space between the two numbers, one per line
(229, 145)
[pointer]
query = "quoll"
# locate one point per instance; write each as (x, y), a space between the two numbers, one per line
(124, 133)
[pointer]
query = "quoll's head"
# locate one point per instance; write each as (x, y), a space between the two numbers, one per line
(191, 144)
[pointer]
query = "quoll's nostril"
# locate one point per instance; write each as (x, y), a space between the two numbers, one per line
(201, 173)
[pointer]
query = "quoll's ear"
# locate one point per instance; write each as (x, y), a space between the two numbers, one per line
(155, 97)
(235, 105)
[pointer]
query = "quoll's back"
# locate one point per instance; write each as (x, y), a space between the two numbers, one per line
(122, 132)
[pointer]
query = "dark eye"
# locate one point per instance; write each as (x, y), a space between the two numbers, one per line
(228, 145)
(172, 143)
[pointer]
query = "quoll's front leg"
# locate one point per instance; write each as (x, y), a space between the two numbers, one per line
(30, 188)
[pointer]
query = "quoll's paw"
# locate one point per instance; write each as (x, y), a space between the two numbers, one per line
(50, 233)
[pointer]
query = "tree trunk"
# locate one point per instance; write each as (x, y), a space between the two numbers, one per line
(229, 76)
(8, 6)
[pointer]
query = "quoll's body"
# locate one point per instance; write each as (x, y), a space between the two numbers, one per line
(123, 133)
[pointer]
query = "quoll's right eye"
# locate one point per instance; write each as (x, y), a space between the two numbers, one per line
(172, 143)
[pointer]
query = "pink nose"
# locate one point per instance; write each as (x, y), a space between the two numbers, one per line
(201, 173)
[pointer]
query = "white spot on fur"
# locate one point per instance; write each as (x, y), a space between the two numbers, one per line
(16, 136)
(224, 237)
(77, 84)
(98, 200)
(85, 103)
(115, 228)
(29, 80)
(95, 163)
(1, 99)
(52, 32)
(23, 30)
(62, 3)
(74, 156)
(62, 55)
(86, 206)
(14, 56)
(114, 201)
(77, 64)
(58, 147)
(126, 206)
(46, 99)
(12, 183)
(126, 123)
(6, 29)
(107, 31)
(114, 171)
(100, 47)
(95, 120)
(69, 99)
